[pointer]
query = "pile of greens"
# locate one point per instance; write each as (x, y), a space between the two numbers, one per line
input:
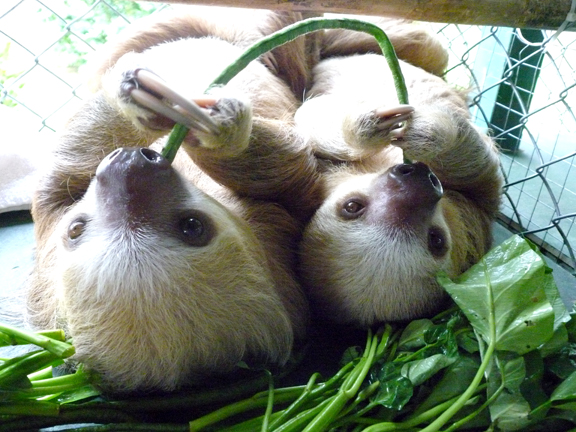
(503, 358)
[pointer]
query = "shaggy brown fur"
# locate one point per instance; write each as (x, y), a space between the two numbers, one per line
(162, 274)
(372, 250)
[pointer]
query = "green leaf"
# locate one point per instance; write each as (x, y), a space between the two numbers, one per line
(413, 335)
(507, 286)
(514, 372)
(421, 370)
(510, 412)
(467, 341)
(351, 354)
(454, 382)
(395, 390)
(561, 314)
(532, 386)
(566, 390)
(558, 341)
(567, 406)
(563, 362)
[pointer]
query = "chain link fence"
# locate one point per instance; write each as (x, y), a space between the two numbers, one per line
(521, 85)
(522, 90)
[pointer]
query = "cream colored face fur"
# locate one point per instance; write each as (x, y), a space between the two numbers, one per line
(370, 269)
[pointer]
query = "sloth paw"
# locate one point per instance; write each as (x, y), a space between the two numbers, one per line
(375, 129)
(165, 105)
(391, 121)
(213, 122)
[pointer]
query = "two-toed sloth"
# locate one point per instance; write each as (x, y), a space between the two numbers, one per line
(159, 272)
(385, 229)
(164, 272)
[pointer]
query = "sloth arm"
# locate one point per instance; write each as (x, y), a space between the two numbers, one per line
(463, 158)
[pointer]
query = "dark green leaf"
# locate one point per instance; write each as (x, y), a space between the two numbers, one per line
(510, 412)
(419, 371)
(563, 362)
(351, 354)
(454, 382)
(395, 390)
(413, 335)
(506, 289)
(566, 390)
(556, 343)
(532, 386)
(467, 341)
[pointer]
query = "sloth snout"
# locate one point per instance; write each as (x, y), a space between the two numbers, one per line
(419, 176)
(131, 163)
(135, 183)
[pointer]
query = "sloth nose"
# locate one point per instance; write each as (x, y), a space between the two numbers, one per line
(132, 182)
(131, 163)
(419, 175)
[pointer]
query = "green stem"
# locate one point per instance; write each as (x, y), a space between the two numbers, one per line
(362, 396)
(286, 35)
(185, 401)
(300, 28)
(19, 367)
(296, 423)
(78, 378)
(472, 415)
(297, 404)
(30, 408)
(249, 425)
(131, 427)
(464, 397)
(348, 389)
(414, 421)
(57, 347)
(42, 374)
(257, 401)
(270, 404)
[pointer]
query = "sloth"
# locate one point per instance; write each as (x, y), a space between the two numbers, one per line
(386, 228)
(161, 272)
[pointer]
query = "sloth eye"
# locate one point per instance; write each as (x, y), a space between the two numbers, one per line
(195, 231)
(76, 229)
(352, 209)
(437, 242)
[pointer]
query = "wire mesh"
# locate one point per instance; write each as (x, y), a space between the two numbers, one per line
(522, 91)
(521, 86)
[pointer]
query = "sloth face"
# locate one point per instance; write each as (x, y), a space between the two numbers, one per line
(372, 250)
(158, 282)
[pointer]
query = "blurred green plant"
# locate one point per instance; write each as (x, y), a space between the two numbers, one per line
(7, 96)
(84, 25)
(92, 27)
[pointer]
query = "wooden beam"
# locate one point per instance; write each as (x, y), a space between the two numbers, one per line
(539, 14)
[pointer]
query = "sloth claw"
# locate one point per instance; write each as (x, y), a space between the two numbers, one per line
(391, 120)
(149, 91)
